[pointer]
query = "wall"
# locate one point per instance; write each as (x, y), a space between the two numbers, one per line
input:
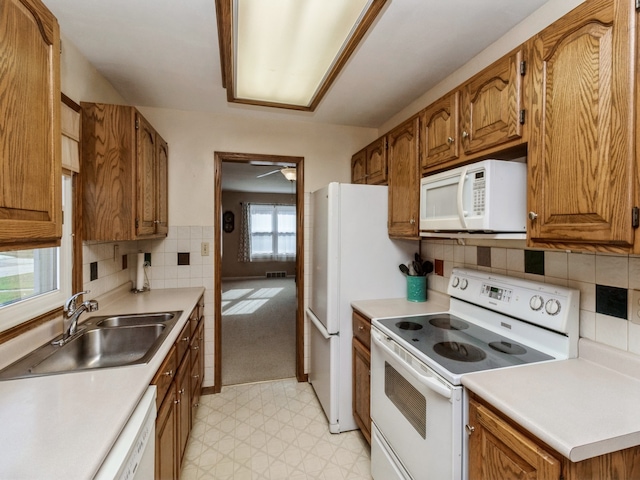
(231, 267)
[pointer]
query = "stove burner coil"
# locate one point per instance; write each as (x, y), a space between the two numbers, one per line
(448, 322)
(462, 352)
(508, 348)
(408, 326)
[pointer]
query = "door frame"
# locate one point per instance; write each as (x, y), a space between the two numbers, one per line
(276, 160)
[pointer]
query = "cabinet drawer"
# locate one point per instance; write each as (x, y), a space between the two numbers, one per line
(165, 374)
(362, 329)
(182, 342)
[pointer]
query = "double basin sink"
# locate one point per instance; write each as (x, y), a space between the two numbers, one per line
(101, 342)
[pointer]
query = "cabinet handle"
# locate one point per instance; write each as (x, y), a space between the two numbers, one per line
(195, 347)
(412, 221)
(169, 373)
(449, 140)
(181, 391)
(156, 221)
(465, 134)
(185, 339)
(470, 429)
(196, 376)
(361, 328)
(195, 405)
(176, 401)
(533, 216)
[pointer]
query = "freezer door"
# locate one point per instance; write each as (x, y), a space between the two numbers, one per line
(323, 369)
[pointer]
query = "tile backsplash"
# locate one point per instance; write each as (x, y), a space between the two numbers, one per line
(605, 282)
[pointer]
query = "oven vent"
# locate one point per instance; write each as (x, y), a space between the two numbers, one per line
(276, 274)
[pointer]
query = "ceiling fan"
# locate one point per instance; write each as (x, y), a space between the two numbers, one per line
(288, 172)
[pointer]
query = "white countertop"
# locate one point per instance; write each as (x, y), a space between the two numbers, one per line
(401, 307)
(63, 426)
(583, 407)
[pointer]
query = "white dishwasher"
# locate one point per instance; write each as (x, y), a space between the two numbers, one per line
(133, 454)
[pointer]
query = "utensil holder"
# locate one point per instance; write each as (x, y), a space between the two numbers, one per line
(416, 288)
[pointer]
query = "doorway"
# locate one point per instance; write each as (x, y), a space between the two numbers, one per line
(275, 161)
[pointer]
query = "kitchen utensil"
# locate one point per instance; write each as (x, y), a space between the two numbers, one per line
(404, 269)
(417, 266)
(427, 267)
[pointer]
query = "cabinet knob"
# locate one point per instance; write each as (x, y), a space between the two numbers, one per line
(412, 221)
(465, 134)
(470, 429)
(181, 391)
(533, 215)
(196, 376)
(176, 401)
(169, 373)
(449, 140)
(195, 405)
(361, 328)
(185, 339)
(195, 347)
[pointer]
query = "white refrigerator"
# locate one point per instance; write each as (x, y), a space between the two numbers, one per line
(352, 258)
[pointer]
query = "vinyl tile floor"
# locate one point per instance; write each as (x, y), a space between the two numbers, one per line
(270, 431)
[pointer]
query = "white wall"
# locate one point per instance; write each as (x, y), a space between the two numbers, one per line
(193, 137)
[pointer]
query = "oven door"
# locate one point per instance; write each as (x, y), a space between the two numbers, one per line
(418, 413)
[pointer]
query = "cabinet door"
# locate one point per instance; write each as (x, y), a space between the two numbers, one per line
(359, 167)
(404, 177)
(166, 460)
(162, 187)
(492, 103)
(497, 450)
(439, 141)
(183, 406)
(377, 162)
(146, 152)
(30, 144)
(581, 156)
(362, 388)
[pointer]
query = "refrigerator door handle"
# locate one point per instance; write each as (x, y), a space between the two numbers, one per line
(318, 324)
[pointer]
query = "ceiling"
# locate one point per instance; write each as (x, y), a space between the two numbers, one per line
(164, 54)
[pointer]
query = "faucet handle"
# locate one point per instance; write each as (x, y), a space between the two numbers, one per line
(91, 305)
(70, 304)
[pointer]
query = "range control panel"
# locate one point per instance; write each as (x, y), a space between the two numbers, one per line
(543, 304)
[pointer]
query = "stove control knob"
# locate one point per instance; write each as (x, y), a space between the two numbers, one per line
(464, 284)
(552, 306)
(536, 302)
(455, 281)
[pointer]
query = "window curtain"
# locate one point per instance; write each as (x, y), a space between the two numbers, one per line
(244, 247)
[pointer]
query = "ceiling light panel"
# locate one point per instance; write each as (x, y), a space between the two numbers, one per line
(284, 48)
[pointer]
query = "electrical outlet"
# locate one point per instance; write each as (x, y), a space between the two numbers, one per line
(634, 306)
(204, 249)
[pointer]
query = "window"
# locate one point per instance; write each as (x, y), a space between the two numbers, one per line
(273, 232)
(33, 282)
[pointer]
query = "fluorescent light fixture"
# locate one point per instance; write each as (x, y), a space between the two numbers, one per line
(286, 53)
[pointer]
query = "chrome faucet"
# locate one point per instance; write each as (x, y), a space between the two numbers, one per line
(73, 312)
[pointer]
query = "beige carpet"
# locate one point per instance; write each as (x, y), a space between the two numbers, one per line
(258, 330)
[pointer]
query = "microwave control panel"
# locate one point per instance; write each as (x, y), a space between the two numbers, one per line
(478, 191)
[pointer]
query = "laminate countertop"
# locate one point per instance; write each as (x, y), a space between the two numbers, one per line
(582, 407)
(63, 426)
(401, 307)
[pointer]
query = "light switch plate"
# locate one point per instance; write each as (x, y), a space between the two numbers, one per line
(634, 306)
(204, 249)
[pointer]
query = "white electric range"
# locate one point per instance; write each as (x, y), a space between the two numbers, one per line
(418, 406)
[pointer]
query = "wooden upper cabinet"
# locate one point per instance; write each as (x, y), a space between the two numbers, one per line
(404, 179)
(369, 165)
(359, 167)
(30, 144)
(581, 154)
(124, 175)
(493, 112)
(439, 142)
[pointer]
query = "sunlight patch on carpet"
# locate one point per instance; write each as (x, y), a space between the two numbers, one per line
(266, 293)
(245, 307)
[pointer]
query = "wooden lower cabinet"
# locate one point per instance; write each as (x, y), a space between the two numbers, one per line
(166, 461)
(499, 448)
(179, 382)
(362, 373)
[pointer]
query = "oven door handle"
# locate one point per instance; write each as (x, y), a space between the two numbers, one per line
(429, 382)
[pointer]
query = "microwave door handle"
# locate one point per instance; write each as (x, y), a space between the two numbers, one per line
(429, 382)
(463, 176)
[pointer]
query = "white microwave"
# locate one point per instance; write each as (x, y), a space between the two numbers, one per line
(487, 196)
